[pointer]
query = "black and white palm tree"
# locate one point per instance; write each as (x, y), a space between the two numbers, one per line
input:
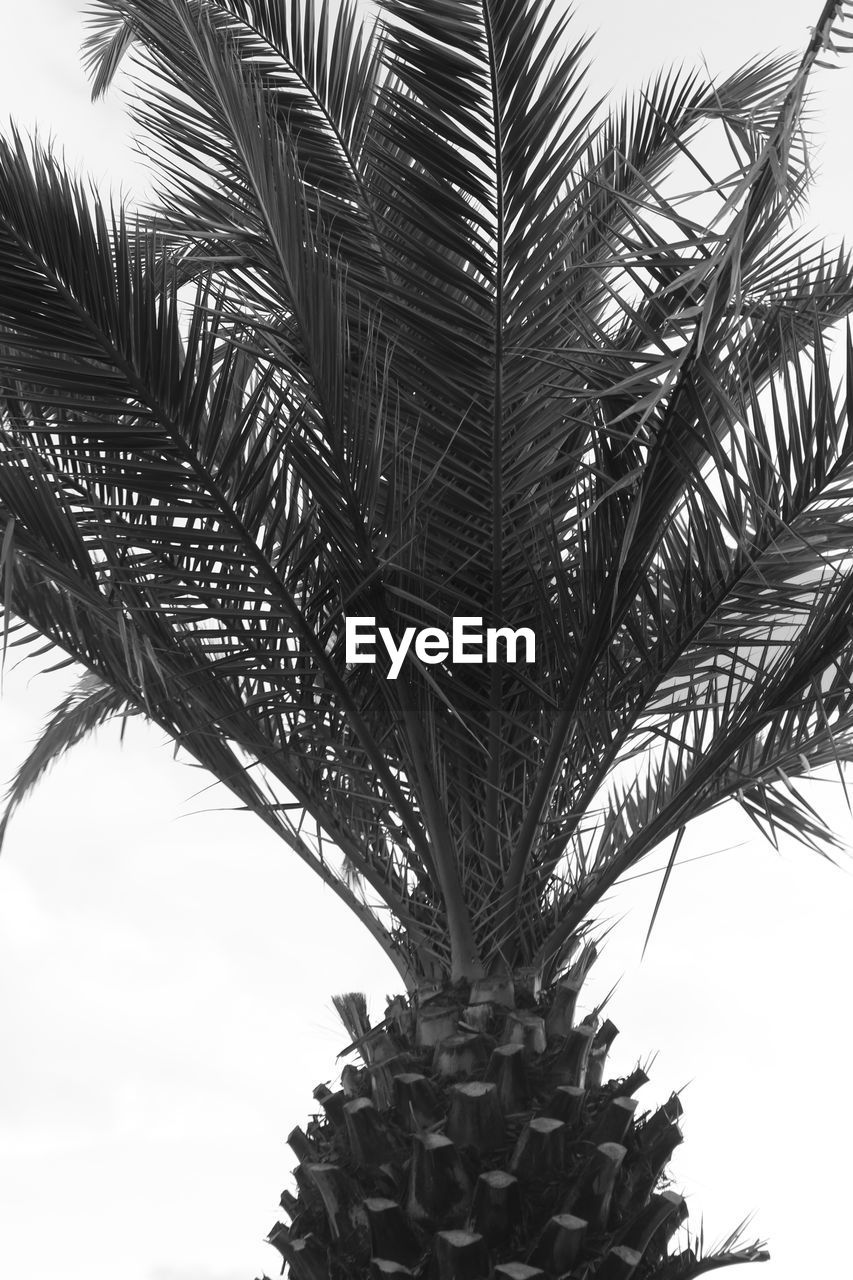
(417, 333)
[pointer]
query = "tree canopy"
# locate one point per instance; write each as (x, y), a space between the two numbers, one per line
(417, 331)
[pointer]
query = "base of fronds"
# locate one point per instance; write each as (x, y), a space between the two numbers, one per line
(479, 1139)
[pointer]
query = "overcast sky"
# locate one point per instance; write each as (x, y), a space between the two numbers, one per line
(166, 966)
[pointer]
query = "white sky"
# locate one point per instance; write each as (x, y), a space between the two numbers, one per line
(165, 973)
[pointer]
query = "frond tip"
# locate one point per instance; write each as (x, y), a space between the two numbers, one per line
(90, 704)
(110, 36)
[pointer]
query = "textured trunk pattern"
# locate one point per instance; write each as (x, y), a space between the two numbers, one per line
(479, 1139)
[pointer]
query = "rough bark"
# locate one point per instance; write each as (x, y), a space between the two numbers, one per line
(499, 1151)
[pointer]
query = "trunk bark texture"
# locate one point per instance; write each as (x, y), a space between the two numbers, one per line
(478, 1140)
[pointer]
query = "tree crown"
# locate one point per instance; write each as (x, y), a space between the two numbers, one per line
(416, 333)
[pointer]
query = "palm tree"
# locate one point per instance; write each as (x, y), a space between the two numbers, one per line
(418, 339)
